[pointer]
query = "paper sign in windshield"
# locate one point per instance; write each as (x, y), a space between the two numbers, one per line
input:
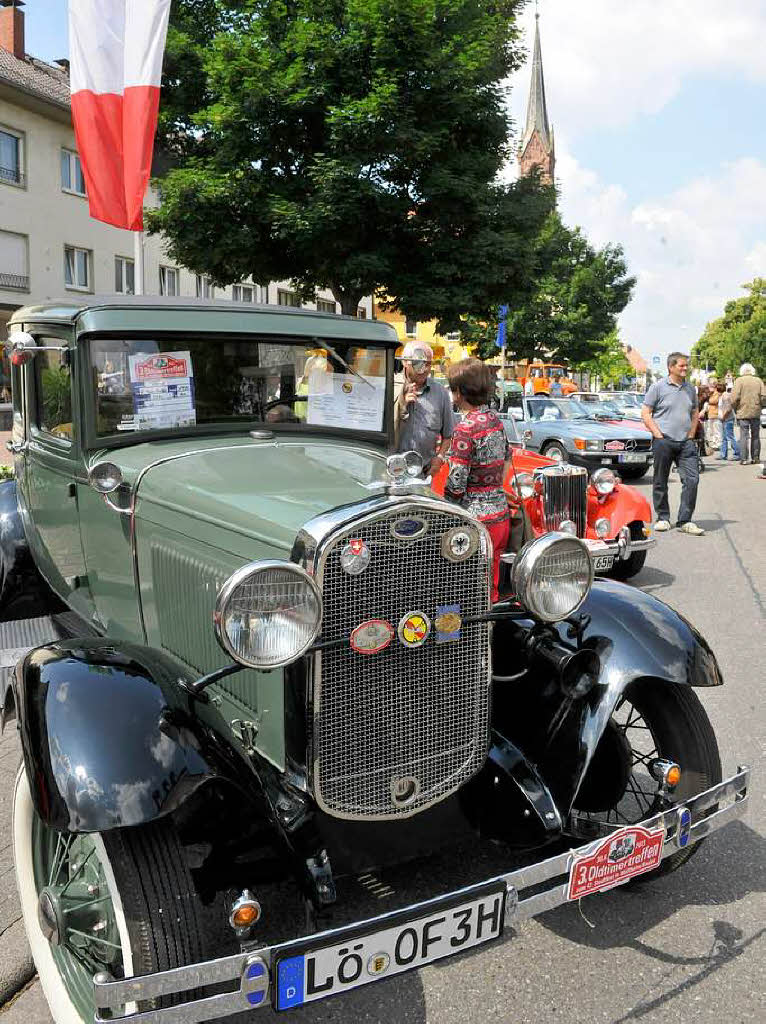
(352, 403)
(163, 390)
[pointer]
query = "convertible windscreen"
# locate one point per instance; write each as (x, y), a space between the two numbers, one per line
(177, 382)
(557, 409)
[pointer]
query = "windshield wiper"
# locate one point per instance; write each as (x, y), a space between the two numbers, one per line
(343, 362)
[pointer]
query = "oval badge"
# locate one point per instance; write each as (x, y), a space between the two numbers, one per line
(409, 528)
(414, 629)
(372, 636)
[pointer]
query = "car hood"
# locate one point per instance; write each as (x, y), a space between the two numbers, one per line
(603, 429)
(263, 490)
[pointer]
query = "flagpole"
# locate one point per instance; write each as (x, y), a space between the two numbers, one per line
(138, 259)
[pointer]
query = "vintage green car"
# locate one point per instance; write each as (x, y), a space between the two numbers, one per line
(274, 661)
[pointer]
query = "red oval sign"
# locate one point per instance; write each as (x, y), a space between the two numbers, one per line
(372, 636)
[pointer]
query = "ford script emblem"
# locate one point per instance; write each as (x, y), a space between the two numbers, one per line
(409, 529)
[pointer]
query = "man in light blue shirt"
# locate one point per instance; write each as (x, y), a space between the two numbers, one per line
(671, 412)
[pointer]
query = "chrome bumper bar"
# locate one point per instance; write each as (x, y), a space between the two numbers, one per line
(252, 970)
(623, 547)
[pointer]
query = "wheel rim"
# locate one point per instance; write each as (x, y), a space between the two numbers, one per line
(640, 798)
(556, 453)
(71, 878)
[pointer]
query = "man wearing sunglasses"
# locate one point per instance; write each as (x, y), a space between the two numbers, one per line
(423, 418)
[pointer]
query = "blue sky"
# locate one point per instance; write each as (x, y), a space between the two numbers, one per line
(658, 111)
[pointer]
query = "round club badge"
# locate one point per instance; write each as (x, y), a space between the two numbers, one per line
(459, 543)
(414, 629)
(355, 556)
(372, 636)
(378, 964)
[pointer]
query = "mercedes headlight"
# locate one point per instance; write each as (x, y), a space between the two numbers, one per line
(552, 576)
(268, 614)
(604, 481)
(524, 485)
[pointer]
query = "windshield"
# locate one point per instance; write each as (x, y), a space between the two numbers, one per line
(624, 398)
(602, 409)
(179, 382)
(557, 409)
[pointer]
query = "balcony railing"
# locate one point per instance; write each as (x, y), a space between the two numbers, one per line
(12, 175)
(15, 282)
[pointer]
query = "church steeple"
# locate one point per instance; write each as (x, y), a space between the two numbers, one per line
(537, 149)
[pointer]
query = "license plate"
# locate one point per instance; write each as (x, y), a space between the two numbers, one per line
(603, 562)
(631, 457)
(451, 928)
(624, 854)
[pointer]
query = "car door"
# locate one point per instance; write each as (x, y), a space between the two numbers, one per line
(53, 465)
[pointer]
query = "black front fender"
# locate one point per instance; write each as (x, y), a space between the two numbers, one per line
(635, 637)
(107, 737)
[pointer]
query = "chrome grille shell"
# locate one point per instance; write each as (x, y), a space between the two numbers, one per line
(402, 713)
(564, 495)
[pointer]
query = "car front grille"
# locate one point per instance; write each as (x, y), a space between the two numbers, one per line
(564, 496)
(397, 731)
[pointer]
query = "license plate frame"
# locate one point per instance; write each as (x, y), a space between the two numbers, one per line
(365, 954)
(602, 563)
(633, 457)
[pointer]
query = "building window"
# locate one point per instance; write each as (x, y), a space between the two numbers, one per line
(11, 157)
(14, 261)
(326, 306)
(243, 293)
(453, 336)
(168, 281)
(77, 263)
(286, 298)
(124, 276)
(411, 328)
(72, 179)
(361, 313)
(204, 289)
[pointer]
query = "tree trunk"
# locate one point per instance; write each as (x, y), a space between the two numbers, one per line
(349, 300)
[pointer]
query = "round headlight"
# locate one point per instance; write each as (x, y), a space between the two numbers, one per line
(604, 481)
(601, 526)
(524, 484)
(552, 576)
(105, 477)
(268, 614)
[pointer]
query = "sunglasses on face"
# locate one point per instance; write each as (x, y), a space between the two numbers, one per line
(418, 365)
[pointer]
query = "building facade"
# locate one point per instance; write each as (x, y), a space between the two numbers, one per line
(50, 247)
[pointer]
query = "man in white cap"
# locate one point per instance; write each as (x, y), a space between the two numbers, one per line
(423, 418)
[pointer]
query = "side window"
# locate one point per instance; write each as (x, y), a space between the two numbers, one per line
(54, 393)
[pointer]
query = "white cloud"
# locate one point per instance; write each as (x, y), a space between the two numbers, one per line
(690, 249)
(608, 61)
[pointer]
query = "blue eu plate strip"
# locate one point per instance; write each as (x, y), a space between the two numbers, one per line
(290, 982)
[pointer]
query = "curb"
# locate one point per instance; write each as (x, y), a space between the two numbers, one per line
(16, 965)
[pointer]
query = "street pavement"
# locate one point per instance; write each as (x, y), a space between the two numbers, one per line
(691, 946)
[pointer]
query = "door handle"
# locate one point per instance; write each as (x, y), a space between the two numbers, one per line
(17, 447)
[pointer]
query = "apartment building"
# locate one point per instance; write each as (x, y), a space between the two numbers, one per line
(50, 247)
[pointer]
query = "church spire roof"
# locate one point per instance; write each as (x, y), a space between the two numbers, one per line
(537, 111)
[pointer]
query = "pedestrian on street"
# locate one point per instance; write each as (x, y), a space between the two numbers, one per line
(423, 418)
(477, 456)
(712, 421)
(670, 411)
(747, 398)
(726, 417)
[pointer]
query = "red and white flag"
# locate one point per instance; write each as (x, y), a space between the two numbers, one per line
(116, 49)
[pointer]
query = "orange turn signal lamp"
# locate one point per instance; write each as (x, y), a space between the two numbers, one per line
(245, 911)
(673, 776)
(667, 773)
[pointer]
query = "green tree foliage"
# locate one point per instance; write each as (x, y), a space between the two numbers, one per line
(573, 308)
(352, 144)
(608, 362)
(739, 336)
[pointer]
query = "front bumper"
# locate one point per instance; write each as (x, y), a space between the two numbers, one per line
(622, 546)
(253, 970)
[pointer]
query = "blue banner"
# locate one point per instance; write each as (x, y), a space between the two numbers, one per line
(502, 313)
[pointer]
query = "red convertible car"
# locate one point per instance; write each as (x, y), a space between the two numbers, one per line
(613, 518)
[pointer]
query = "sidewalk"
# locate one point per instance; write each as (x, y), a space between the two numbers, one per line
(16, 966)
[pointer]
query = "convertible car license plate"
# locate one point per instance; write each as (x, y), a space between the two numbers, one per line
(358, 960)
(624, 854)
(603, 562)
(632, 457)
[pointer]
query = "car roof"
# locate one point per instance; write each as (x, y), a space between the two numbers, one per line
(160, 312)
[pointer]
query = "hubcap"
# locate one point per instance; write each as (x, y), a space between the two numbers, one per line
(48, 916)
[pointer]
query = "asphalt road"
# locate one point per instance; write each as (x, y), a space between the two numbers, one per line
(691, 946)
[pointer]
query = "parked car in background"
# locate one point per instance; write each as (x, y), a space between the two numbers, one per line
(611, 517)
(628, 402)
(607, 410)
(567, 431)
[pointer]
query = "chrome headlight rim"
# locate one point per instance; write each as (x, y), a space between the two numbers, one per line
(235, 580)
(603, 480)
(524, 485)
(523, 570)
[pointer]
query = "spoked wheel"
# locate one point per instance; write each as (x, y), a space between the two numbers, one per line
(121, 902)
(652, 720)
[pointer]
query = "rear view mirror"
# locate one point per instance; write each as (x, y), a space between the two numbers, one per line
(21, 347)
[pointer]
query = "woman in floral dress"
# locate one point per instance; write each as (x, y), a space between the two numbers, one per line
(477, 456)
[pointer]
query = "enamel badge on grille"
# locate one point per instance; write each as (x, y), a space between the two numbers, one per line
(414, 629)
(372, 636)
(459, 543)
(355, 556)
